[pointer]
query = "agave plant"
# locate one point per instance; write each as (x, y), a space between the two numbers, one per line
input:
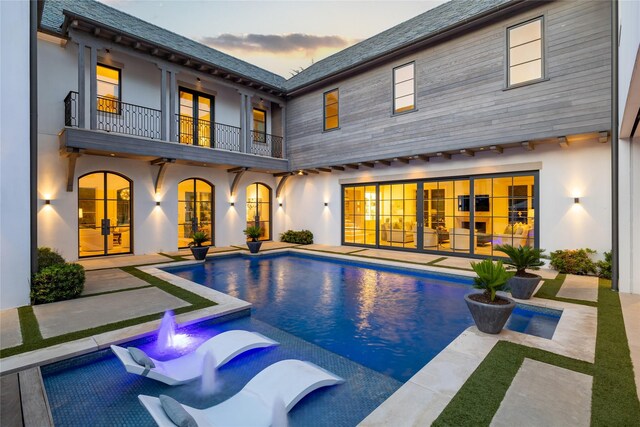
(492, 277)
(198, 238)
(522, 257)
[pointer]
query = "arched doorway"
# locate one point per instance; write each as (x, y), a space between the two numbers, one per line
(195, 210)
(259, 208)
(104, 214)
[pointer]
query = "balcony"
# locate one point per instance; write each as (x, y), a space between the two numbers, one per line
(119, 117)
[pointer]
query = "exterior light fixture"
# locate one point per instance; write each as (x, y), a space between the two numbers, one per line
(300, 172)
(157, 203)
(47, 202)
(232, 204)
(280, 204)
(326, 203)
(576, 200)
(198, 79)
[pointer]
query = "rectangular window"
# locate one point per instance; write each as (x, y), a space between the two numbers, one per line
(331, 109)
(259, 125)
(404, 98)
(195, 118)
(525, 42)
(108, 89)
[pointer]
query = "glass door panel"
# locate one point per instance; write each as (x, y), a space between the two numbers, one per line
(195, 210)
(259, 209)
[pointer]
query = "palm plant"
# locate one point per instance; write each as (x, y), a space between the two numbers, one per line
(253, 232)
(491, 278)
(198, 238)
(522, 257)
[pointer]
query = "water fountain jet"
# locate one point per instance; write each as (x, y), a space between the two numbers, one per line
(167, 332)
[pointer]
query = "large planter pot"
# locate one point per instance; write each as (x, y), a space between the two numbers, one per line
(522, 287)
(199, 252)
(489, 318)
(254, 247)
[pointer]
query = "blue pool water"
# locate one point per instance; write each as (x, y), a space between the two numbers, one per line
(391, 320)
(373, 326)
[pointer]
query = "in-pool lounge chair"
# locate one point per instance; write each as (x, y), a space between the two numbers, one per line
(286, 381)
(224, 347)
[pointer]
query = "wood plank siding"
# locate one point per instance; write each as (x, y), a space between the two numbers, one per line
(461, 95)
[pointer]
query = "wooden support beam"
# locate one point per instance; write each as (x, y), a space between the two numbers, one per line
(96, 31)
(324, 169)
(402, 160)
(384, 162)
(496, 149)
(238, 169)
(236, 181)
(172, 57)
(215, 72)
(313, 171)
(155, 51)
(527, 145)
(280, 174)
(136, 45)
(337, 168)
(443, 155)
(163, 163)
(74, 23)
(562, 141)
(603, 137)
(367, 164)
(187, 63)
(350, 166)
(281, 184)
(423, 157)
(117, 38)
(202, 67)
(239, 80)
(468, 153)
(72, 156)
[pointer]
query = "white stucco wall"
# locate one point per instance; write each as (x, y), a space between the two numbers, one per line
(583, 169)
(629, 150)
(15, 258)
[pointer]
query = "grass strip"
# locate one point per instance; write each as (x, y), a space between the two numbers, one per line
(477, 401)
(115, 291)
(32, 339)
(437, 260)
(173, 257)
(615, 398)
(29, 325)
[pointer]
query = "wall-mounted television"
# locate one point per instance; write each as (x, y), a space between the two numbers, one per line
(482, 203)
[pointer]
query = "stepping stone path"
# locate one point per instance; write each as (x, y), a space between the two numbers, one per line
(579, 287)
(112, 279)
(10, 335)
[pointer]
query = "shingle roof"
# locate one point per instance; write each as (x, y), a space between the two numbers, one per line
(415, 29)
(52, 19)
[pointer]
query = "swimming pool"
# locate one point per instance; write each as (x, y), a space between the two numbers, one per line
(373, 326)
(391, 320)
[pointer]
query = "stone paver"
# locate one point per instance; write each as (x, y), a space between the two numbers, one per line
(545, 395)
(83, 313)
(122, 261)
(10, 335)
(112, 279)
(631, 313)
(335, 249)
(579, 287)
(398, 256)
(266, 246)
(545, 273)
(457, 262)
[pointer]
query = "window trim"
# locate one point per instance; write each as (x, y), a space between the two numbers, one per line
(543, 53)
(324, 110)
(393, 90)
(265, 124)
(119, 100)
(196, 114)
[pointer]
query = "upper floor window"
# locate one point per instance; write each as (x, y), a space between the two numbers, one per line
(331, 109)
(108, 89)
(525, 52)
(404, 89)
(195, 118)
(259, 125)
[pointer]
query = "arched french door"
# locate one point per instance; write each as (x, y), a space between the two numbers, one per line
(104, 214)
(195, 210)
(259, 208)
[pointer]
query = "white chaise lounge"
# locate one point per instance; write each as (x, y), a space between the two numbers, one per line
(286, 381)
(224, 347)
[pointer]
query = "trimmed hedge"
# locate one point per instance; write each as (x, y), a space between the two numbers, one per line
(57, 283)
(604, 266)
(302, 237)
(574, 261)
(48, 257)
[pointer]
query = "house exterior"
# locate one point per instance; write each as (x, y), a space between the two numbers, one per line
(471, 125)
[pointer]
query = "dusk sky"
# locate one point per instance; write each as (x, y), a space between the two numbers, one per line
(280, 36)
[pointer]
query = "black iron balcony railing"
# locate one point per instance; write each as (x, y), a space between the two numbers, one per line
(71, 109)
(120, 117)
(264, 144)
(204, 133)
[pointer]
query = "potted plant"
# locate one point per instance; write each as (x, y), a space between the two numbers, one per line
(489, 311)
(197, 239)
(253, 232)
(522, 284)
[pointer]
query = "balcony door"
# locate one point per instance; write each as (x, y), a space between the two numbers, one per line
(259, 208)
(195, 121)
(195, 210)
(104, 214)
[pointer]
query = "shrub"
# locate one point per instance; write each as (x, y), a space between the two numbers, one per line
(573, 261)
(522, 257)
(604, 267)
(57, 283)
(302, 237)
(48, 257)
(492, 277)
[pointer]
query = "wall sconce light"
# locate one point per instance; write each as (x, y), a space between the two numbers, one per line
(280, 204)
(576, 200)
(326, 203)
(198, 79)
(300, 172)
(47, 202)
(157, 203)
(232, 204)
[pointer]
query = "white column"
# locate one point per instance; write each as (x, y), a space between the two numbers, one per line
(163, 104)
(82, 93)
(173, 124)
(283, 119)
(249, 119)
(93, 87)
(243, 123)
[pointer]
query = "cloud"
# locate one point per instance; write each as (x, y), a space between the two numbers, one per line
(275, 43)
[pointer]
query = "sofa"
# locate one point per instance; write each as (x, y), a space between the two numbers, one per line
(395, 235)
(516, 235)
(460, 239)
(429, 239)
(92, 240)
